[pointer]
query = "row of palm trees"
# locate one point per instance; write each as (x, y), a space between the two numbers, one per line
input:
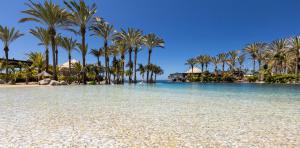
(79, 18)
(278, 57)
(233, 59)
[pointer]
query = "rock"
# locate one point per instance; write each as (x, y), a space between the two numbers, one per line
(2, 81)
(44, 82)
(63, 83)
(54, 83)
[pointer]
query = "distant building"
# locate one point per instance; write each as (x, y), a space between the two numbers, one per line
(182, 77)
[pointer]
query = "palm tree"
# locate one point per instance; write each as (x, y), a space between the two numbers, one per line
(157, 70)
(37, 60)
(138, 43)
(191, 62)
(295, 49)
(114, 52)
(200, 60)
(215, 61)
(233, 56)
(69, 45)
(122, 48)
(105, 31)
(206, 61)
(142, 71)
(152, 41)
(43, 35)
(50, 15)
(58, 40)
(278, 50)
(241, 60)
(129, 37)
(97, 54)
(84, 51)
(77, 69)
(7, 36)
(252, 49)
(223, 58)
(81, 17)
(260, 53)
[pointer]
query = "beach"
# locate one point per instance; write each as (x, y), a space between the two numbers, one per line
(174, 115)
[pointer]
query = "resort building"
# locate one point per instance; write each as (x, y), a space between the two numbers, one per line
(15, 63)
(182, 77)
(64, 68)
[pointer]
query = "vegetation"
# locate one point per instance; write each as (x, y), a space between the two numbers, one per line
(278, 62)
(80, 18)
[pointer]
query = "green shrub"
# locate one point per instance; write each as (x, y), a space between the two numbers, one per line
(252, 78)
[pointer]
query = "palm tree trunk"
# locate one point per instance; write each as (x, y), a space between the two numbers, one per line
(259, 64)
(70, 72)
(202, 67)
(223, 67)
(149, 62)
(6, 49)
(47, 59)
(52, 36)
(123, 66)
(154, 78)
(98, 72)
(135, 60)
(130, 66)
(253, 65)
(192, 68)
(206, 65)
(56, 56)
(107, 79)
(115, 68)
(83, 32)
(297, 65)
(151, 77)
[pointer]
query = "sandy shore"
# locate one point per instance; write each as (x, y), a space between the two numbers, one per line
(19, 85)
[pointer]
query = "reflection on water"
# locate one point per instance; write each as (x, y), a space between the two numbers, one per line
(165, 114)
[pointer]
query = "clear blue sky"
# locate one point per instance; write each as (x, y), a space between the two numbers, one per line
(189, 27)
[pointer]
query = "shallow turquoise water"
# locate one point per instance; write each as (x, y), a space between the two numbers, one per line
(173, 114)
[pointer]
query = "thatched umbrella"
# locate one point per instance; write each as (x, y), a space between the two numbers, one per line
(44, 74)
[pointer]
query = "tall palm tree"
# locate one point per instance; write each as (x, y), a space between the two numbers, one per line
(191, 62)
(81, 17)
(241, 60)
(215, 61)
(278, 49)
(37, 60)
(122, 48)
(252, 49)
(233, 57)
(152, 41)
(69, 44)
(114, 52)
(104, 30)
(58, 40)
(295, 49)
(200, 60)
(260, 53)
(43, 35)
(138, 43)
(50, 15)
(7, 36)
(206, 61)
(84, 51)
(129, 37)
(223, 58)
